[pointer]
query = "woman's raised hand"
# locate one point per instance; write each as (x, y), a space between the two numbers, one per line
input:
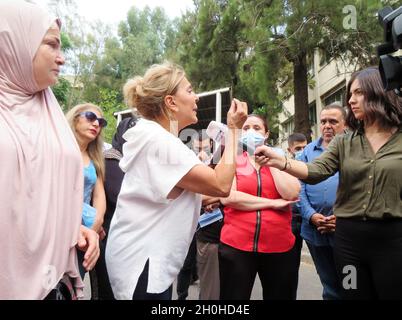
(237, 114)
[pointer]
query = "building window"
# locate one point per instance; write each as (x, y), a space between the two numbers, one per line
(312, 113)
(338, 97)
(288, 127)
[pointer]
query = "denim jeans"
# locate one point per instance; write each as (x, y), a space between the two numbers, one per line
(323, 257)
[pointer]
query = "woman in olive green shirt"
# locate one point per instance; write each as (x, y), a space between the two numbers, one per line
(368, 236)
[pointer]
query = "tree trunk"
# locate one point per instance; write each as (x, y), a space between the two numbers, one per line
(301, 117)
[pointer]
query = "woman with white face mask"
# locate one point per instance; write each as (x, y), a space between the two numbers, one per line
(256, 236)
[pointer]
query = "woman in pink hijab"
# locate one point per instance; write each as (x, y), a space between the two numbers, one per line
(41, 182)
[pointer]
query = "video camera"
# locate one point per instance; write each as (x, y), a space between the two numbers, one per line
(391, 66)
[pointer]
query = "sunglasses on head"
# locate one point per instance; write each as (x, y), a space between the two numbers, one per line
(90, 116)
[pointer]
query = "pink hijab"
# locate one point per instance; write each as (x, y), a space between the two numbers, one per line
(41, 183)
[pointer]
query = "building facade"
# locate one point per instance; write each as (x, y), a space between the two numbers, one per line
(330, 78)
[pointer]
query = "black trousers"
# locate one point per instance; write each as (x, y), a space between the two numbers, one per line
(140, 292)
(64, 290)
(296, 230)
(368, 257)
(104, 289)
(238, 270)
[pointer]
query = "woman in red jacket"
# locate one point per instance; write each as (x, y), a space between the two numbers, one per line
(256, 236)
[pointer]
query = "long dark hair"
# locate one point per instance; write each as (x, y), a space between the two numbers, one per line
(383, 107)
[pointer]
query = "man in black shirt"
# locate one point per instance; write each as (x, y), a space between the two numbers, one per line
(203, 251)
(208, 238)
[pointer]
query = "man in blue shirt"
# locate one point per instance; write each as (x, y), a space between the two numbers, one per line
(316, 204)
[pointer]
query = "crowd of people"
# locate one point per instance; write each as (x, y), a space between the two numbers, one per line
(151, 210)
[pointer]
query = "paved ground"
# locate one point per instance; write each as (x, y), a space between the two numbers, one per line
(309, 284)
(309, 288)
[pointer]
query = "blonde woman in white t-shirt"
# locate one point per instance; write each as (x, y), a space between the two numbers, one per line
(160, 199)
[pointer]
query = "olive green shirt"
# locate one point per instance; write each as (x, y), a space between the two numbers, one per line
(370, 185)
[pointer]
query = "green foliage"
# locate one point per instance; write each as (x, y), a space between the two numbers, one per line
(109, 102)
(65, 42)
(62, 90)
(144, 39)
(217, 49)
(193, 44)
(146, 36)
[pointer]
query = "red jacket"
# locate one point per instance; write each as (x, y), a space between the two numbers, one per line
(265, 231)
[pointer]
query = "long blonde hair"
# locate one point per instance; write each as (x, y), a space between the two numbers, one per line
(147, 93)
(95, 147)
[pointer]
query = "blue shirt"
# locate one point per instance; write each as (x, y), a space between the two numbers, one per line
(89, 181)
(318, 198)
(89, 212)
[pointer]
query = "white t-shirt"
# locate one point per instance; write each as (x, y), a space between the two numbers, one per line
(146, 225)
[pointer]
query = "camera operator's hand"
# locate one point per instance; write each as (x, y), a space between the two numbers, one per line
(266, 156)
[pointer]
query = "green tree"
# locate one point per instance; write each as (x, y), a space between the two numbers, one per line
(217, 45)
(62, 91)
(145, 36)
(144, 39)
(209, 44)
(110, 103)
(63, 87)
